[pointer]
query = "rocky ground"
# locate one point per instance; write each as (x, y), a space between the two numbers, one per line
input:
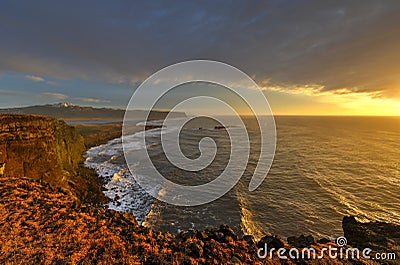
(42, 225)
(379, 236)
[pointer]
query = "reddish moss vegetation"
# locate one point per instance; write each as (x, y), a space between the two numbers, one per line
(42, 225)
(39, 224)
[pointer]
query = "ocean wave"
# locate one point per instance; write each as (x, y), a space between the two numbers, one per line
(120, 185)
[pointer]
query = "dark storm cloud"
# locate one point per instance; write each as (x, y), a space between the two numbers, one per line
(351, 45)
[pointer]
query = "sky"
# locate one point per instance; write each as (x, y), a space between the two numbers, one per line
(309, 57)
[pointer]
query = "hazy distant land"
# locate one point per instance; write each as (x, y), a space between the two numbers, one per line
(67, 111)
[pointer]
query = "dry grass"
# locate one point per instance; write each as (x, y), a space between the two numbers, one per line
(42, 225)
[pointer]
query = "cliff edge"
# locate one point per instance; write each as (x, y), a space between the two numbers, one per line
(48, 150)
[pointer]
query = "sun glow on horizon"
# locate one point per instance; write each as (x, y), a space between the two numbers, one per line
(312, 100)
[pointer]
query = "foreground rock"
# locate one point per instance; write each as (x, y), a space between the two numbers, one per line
(42, 225)
(378, 236)
(301, 241)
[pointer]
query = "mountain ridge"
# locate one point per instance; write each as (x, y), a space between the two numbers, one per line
(68, 111)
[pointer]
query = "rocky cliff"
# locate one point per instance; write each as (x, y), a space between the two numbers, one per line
(45, 149)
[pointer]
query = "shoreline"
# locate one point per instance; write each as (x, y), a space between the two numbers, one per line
(60, 219)
(243, 230)
(112, 174)
(290, 238)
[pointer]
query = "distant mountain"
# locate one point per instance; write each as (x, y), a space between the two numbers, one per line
(69, 111)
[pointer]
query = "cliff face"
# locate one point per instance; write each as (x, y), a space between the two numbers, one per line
(42, 148)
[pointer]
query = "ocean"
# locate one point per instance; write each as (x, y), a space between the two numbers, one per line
(324, 168)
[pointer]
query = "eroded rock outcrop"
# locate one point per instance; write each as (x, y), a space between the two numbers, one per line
(45, 149)
(378, 236)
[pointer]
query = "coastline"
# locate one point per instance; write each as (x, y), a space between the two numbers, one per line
(358, 234)
(41, 223)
